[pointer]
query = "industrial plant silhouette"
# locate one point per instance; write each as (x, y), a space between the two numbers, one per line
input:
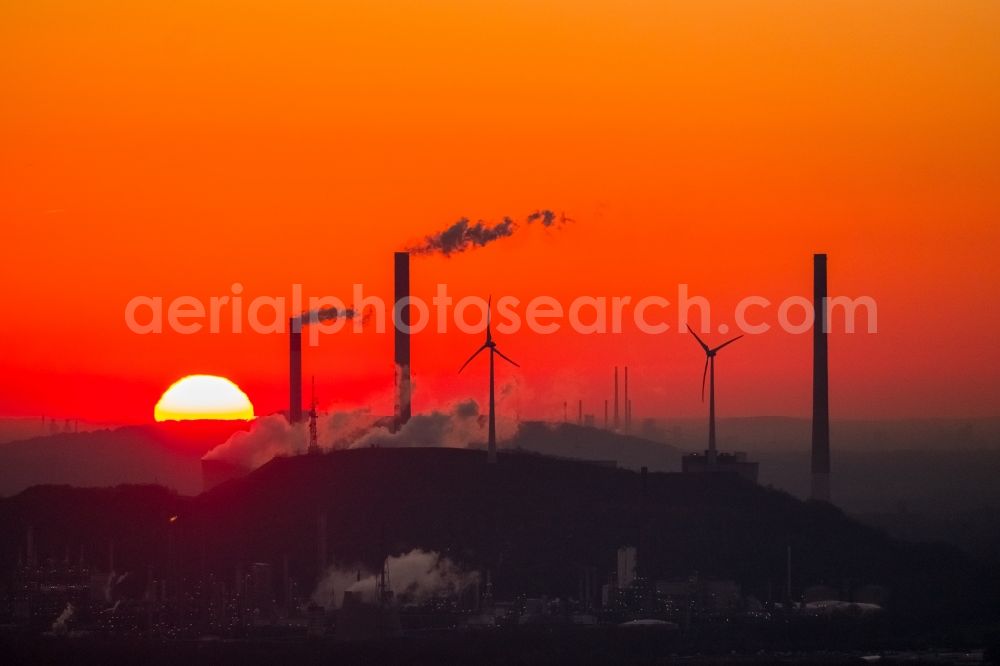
(400, 550)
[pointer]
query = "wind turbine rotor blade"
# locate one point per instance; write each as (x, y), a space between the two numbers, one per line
(703, 345)
(727, 343)
(704, 375)
(489, 318)
(500, 354)
(478, 351)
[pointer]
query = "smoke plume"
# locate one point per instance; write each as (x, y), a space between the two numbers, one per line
(326, 314)
(465, 235)
(460, 425)
(414, 577)
(546, 216)
(111, 585)
(59, 627)
(269, 436)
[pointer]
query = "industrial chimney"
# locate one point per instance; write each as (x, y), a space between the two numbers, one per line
(401, 329)
(294, 370)
(821, 388)
(616, 397)
(628, 404)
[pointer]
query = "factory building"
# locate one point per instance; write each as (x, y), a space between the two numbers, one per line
(726, 463)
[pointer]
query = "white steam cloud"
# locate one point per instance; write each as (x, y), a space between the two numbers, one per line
(414, 577)
(268, 437)
(460, 425)
(60, 626)
(111, 585)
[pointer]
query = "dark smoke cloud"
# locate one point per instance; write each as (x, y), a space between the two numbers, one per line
(326, 314)
(546, 216)
(466, 409)
(464, 235)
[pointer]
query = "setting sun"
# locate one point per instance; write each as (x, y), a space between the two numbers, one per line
(203, 397)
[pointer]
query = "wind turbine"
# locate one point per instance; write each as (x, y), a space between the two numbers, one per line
(710, 353)
(492, 346)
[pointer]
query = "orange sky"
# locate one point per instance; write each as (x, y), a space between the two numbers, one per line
(175, 148)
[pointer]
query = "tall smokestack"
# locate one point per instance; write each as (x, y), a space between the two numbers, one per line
(401, 318)
(616, 397)
(294, 370)
(579, 413)
(627, 404)
(821, 386)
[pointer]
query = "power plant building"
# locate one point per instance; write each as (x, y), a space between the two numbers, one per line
(727, 463)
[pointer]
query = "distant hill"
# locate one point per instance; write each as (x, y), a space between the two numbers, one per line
(169, 453)
(533, 521)
(912, 491)
(755, 434)
(14, 429)
(567, 440)
(164, 453)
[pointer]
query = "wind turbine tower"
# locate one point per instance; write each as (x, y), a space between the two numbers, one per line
(709, 372)
(492, 347)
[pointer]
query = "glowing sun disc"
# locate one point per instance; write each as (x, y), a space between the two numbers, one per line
(203, 397)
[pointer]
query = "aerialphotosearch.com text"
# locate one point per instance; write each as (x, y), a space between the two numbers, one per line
(655, 314)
